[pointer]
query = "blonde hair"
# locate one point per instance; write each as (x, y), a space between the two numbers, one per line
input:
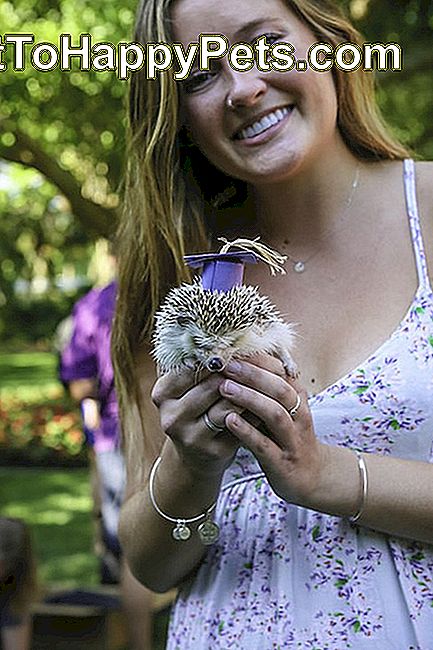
(168, 195)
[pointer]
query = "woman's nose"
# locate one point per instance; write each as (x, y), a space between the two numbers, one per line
(246, 88)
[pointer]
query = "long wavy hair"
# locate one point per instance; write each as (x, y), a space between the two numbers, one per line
(172, 191)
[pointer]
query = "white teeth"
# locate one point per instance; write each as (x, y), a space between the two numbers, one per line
(264, 123)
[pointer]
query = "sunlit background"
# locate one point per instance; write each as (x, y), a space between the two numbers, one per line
(61, 163)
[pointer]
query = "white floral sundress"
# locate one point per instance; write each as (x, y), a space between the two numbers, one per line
(284, 577)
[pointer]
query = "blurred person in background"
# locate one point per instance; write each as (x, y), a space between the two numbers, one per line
(85, 368)
(17, 584)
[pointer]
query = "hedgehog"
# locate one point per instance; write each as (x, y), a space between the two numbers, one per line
(198, 328)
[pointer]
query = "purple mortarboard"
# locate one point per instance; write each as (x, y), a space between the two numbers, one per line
(221, 271)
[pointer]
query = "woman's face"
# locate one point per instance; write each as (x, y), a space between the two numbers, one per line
(221, 104)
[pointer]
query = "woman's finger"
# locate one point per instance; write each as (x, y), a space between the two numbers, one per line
(171, 385)
(276, 386)
(190, 394)
(275, 416)
(218, 412)
(264, 449)
(268, 362)
(174, 385)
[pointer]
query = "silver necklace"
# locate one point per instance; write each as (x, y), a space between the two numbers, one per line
(299, 265)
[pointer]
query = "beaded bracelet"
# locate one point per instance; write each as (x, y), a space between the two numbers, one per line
(364, 487)
(208, 530)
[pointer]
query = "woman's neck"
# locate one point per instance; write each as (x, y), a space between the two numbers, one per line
(302, 209)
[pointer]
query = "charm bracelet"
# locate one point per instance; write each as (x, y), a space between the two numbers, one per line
(208, 530)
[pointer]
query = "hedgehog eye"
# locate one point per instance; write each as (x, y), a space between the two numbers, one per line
(183, 320)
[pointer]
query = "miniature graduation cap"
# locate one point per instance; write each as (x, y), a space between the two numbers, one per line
(224, 270)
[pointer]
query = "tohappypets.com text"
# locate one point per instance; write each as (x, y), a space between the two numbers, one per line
(17, 51)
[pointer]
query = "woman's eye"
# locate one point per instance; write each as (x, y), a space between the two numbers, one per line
(271, 38)
(197, 81)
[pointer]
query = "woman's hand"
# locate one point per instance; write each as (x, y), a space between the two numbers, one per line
(183, 404)
(289, 452)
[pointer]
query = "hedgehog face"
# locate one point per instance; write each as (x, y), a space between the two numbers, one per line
(198, 328)
(204, 348)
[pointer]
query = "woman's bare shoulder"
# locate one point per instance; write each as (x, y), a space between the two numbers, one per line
(424, 182)
(424, 175)
(424, 170)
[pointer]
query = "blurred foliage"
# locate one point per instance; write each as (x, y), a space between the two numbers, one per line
(62, 140)
(39, 432)
(40, 244)
(406, 96)
(39, 424)
(70, 127)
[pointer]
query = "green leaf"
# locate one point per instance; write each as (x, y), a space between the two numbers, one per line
(340, 582)
(395, 425)
(356, 626)
(430, 340)
(361, 390)
(315, 532)
(417, 556)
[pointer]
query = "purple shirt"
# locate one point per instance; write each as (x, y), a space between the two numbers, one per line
(88, 356)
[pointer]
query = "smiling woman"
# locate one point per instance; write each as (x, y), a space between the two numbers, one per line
(320, 486)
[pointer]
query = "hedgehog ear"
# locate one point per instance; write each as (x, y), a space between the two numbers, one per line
(183, 320)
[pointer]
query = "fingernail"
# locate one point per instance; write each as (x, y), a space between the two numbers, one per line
(233, 367)
(229, 388)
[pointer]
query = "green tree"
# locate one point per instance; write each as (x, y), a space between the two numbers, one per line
(406, 96)
(62, 142)
(68, 125)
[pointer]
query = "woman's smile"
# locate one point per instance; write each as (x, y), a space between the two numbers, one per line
(254, 125)
(266, 125)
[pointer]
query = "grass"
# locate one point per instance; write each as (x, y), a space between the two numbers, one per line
(26, 372)
(56, 503)
(57, 506)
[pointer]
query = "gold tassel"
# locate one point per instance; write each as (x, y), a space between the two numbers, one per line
(271, 257)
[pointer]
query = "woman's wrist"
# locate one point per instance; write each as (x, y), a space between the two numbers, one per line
(207, 529)
(196, 466)
(182, 485)
(338, 489)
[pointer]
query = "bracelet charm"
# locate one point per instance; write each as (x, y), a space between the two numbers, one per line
(181, 532)
(208, 531)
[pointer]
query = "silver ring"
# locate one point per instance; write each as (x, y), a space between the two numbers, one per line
(294, 410)
(211, 424)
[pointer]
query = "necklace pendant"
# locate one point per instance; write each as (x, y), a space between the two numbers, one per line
(181, 532)
(299, 267)
(209, 532)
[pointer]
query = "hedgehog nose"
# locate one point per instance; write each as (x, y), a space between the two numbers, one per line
(215, 364)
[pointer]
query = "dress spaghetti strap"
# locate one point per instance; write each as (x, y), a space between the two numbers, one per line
(414, 222)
